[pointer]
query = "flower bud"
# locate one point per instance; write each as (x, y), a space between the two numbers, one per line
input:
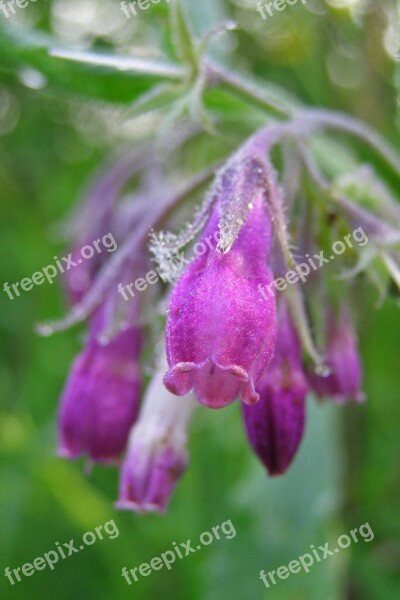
(101, 398)
(157, 456)
(342, 380)
(220, 333)
(275, 424)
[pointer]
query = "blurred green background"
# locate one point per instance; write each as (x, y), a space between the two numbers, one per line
(58, 122)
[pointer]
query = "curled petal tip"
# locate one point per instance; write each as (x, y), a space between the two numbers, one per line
(249, 395)
(215, 386)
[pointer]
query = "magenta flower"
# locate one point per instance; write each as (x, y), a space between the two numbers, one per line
(220, 332)
(342, 382)
(101, 398)
(275, 424)
(224, 340)
(157, 456)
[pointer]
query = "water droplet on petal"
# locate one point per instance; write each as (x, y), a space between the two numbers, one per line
(323, 370)
(44, 329)
(103, 339)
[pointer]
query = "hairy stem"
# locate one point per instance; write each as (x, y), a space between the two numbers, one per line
(320, 118)
(111, 271)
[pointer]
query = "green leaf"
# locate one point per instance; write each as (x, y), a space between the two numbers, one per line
(182, 35)
(137, 66)
(96, 75)
(160, 96)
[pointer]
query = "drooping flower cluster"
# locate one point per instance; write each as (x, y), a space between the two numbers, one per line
(225, 338)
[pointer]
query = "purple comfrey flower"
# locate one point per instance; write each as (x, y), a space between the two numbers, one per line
(221, 329)
(275, 424)
(157, 456)
(101, 398)
(343, 379)
(220, 333)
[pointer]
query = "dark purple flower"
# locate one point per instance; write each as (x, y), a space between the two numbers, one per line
(157, 456)
(220, 333)
(101, 398)
(342, 381)
(275, 424)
